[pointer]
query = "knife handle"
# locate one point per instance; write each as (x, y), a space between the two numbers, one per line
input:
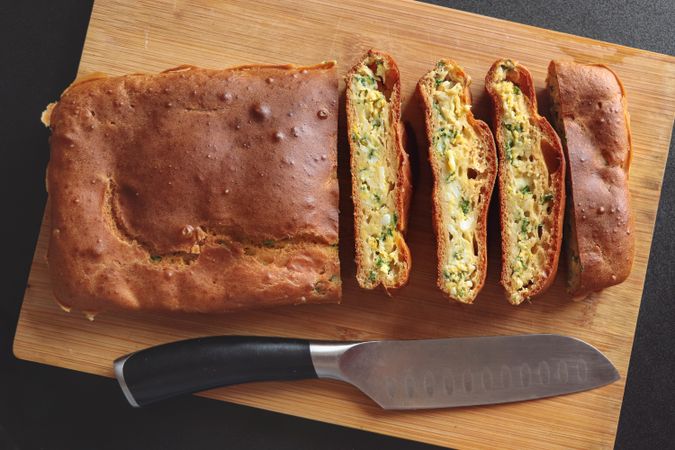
(199, 364)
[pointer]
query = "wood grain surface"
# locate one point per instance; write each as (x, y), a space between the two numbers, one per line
(152, 35)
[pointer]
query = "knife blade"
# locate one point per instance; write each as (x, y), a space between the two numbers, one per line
(396, 374)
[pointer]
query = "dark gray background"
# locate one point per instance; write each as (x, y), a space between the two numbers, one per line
(50, 408)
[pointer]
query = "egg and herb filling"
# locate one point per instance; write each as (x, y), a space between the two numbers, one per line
(528, 188)
(376, 167)
(456, 150)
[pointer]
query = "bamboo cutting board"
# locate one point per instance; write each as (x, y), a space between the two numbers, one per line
(152, 35)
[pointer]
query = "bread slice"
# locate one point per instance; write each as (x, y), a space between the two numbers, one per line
(531, 183)
(591, 115)
(380, 172)
(464, 166)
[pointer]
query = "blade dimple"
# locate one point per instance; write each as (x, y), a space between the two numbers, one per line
(564, 372)
(448, 383)
(409, 386)
(525, 375)
(545, 372)
(429, 383)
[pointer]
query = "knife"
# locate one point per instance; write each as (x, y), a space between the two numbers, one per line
(396, 374)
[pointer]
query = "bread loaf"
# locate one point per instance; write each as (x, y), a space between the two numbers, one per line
(195, 190)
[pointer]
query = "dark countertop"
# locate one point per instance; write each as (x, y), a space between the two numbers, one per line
(46, 407)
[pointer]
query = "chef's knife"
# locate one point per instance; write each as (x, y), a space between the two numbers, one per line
(408, 374)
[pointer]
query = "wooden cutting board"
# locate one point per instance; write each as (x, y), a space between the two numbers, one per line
(152, 35)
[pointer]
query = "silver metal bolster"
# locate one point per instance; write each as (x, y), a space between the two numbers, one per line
(326, 358)
(118, 366)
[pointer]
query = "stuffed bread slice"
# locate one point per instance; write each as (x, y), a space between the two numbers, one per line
(380, 172)
(464, 166)
(531, 183)
(591, 115)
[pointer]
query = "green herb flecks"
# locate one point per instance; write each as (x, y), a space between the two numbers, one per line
(366, 80)
(508, 153)
(454, 277)
(465, 205)
(389, 231)
(514, 127)
(450, 133)
(518, 265)
(524, 225)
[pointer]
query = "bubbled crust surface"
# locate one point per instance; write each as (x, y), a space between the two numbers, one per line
(229, 176)
(596, 127)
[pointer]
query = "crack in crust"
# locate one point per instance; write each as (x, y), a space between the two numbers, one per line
(205, 235)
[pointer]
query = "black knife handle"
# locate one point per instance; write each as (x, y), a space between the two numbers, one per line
(199, 364)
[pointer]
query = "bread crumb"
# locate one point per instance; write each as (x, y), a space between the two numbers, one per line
(46, 116)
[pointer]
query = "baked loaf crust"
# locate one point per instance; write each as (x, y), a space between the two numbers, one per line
(464, 164)
(195, 190)
(589, 107)
(381, 186)
(531, 183)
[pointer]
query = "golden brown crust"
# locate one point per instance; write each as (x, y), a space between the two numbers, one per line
(489, 154)
(592, 116)
(403, 186)
(196, 190)
(555, 161)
